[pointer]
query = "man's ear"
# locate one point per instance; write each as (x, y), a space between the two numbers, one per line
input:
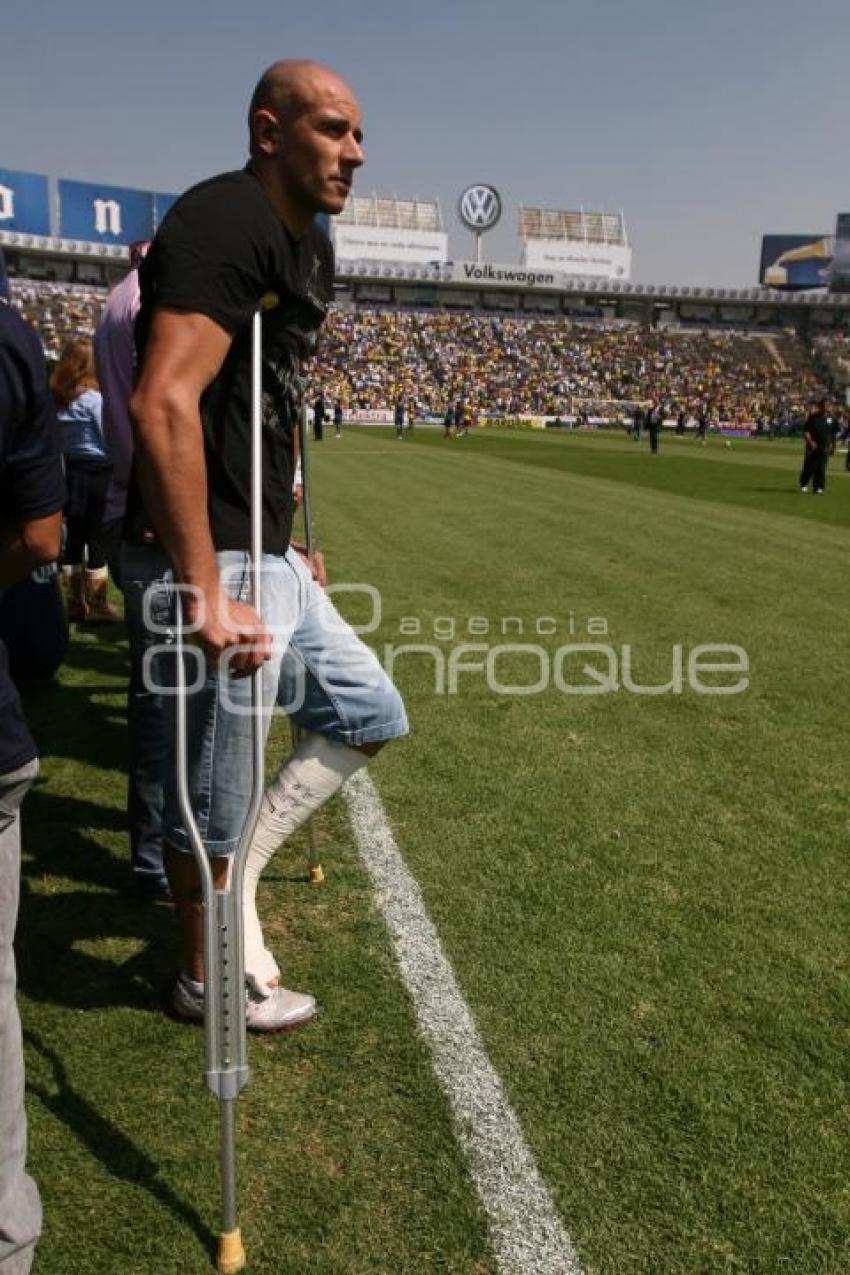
(266, 131)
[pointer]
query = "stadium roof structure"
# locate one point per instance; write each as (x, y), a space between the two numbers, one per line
(467, 276)
(392, 213)
(573, 225)
(54, 244)
(368, 270)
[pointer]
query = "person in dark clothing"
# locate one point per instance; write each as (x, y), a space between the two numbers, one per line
(338, 419)
(399, 418)
(818, 436)
(32, 494)
(703, 423)
(319, 416)
(638, 418)
(653, 426)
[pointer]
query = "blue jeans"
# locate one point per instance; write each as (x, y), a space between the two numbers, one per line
(146, 728)
(320, 672)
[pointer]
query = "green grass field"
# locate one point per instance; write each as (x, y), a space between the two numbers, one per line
(644, 897)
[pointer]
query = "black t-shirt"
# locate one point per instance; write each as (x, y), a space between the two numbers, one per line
(820, 429)
(222, 250)
(31, 485)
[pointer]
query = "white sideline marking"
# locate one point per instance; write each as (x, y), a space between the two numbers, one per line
(525, 1232)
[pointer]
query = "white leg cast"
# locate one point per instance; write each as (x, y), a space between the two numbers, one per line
(314, 772)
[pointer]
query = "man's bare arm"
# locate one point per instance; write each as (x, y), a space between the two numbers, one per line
(184, 354)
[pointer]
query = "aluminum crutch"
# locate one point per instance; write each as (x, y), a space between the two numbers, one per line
(316, 871)
(225, 1033)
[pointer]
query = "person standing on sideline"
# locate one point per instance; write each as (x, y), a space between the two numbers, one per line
(399, 417)
(115, 356)
(818, 436)
(32, 494)
(703, 422)
(235, 244)
(338, 419)
(319, 415)
(653, 426)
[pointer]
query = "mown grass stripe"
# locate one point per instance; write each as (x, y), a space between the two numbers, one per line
(526, 1234)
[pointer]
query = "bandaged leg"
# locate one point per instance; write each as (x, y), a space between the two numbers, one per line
(314, 772)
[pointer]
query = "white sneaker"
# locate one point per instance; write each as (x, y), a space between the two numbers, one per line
(804, 489)
(280, 1011)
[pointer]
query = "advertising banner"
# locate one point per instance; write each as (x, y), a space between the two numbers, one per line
(104, 214)
(24, 202)
(592, 260)
(795, 261)
(514, 422)
(383, 415)
(385, 243)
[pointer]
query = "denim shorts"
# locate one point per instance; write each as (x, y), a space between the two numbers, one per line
(320, 674)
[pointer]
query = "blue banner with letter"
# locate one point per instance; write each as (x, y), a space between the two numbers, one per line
(104, 214)
(24, 202)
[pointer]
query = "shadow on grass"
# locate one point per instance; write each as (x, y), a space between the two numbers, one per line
(73, 722)
(779, 490)
(105, 656)
(121, 1157)
(64, 926)
(61, 935)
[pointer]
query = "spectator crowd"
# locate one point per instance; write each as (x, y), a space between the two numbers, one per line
(369, 358)
(550, 366)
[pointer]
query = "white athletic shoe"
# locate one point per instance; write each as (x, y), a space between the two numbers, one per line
(804, 489)
(280, 1011)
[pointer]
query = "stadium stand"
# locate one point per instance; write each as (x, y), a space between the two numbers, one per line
(58, 311)
(509, 364)
(832, 356)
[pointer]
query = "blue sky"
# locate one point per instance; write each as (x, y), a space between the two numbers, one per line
(707, 123)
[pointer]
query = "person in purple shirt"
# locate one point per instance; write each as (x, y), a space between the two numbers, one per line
(115, 359)
(115, 356)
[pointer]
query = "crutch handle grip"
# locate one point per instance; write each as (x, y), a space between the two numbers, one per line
(231, 1253)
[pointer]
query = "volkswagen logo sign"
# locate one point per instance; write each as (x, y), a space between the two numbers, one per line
(479, 207)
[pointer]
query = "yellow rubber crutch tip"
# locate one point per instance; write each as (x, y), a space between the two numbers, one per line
(317, 874)
(231, 1254)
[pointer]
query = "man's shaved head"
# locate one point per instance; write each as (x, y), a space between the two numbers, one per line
(306, 139)
(291, 86)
